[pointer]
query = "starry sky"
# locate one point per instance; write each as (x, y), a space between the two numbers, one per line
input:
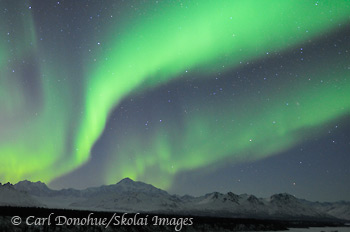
(190, 96)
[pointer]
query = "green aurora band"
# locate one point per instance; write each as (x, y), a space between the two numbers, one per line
(31, 145)
(154, 49)
(161, 47)
(234, 132)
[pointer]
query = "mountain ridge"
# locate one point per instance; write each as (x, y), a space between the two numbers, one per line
(135, 196)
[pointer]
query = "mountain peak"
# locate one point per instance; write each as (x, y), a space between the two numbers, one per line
(126, 180)
(30, 184)
(35, 188)
(7, 185)
(283, 197)
(129, 185)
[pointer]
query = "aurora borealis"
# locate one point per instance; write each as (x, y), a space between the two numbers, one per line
(167, 92)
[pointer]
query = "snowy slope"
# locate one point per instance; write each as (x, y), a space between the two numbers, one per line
(286, 205)
(9, 196)
(338, 209)
(128, 195)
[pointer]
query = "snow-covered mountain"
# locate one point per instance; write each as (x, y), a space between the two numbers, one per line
(33, 188)
(129, 196)
(133, 196)
(9, 196)
(287, 205)
(338, 209)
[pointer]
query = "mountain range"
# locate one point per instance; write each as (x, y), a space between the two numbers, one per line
(134, 196)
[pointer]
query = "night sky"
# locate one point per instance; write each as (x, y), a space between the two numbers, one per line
(190, 96)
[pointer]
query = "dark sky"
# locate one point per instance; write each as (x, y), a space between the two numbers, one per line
(192, 97)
